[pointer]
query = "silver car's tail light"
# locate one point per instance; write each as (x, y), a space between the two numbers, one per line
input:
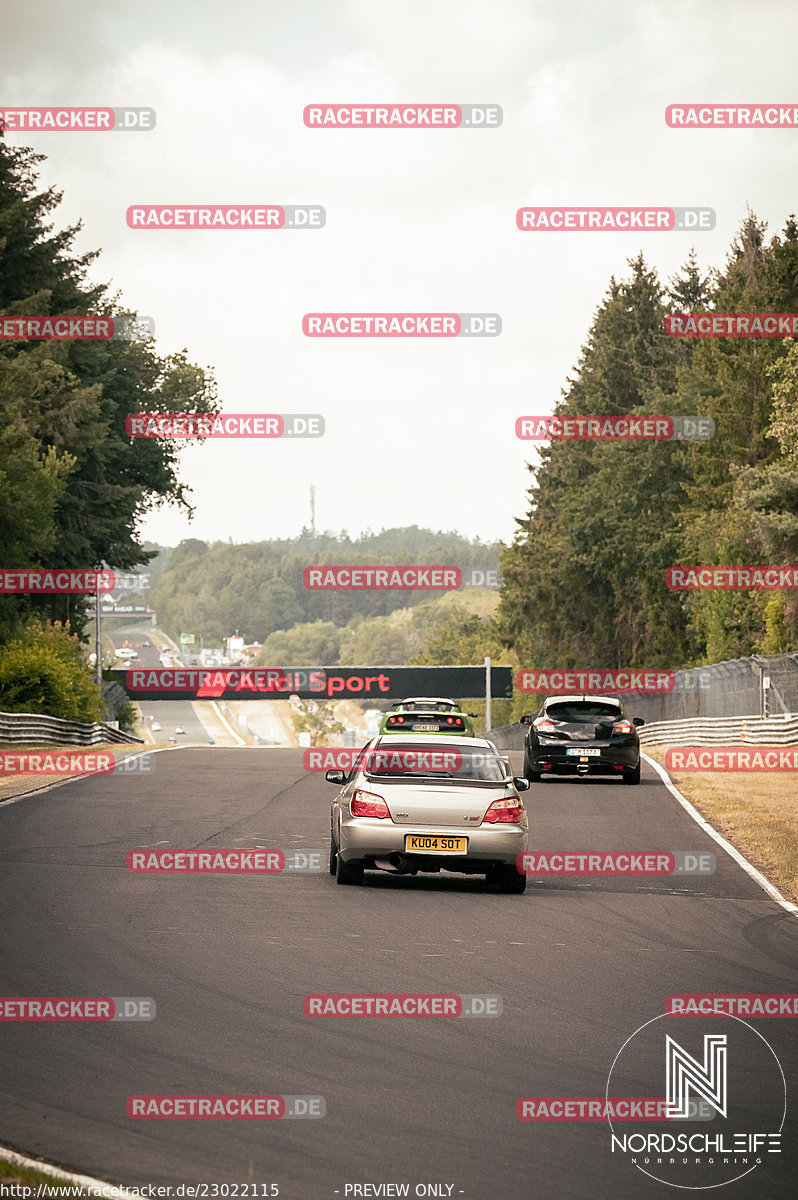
(509, 811)
(368, 804)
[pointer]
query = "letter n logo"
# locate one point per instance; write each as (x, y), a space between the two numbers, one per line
(684, 1074)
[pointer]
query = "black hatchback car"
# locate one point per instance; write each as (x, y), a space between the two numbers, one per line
(582, 735)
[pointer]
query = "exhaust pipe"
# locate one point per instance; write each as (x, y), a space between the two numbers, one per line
(582, 769)
(401, 864)
(397, 864)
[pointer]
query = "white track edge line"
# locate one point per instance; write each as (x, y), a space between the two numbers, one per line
(62, 1176)
(224, 721)
(731, 850)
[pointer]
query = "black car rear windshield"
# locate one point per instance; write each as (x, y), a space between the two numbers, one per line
(578, 712)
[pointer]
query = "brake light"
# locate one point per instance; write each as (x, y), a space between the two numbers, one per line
(622, 727)
(368, 804)
(505, 812)
(544, 724)
(396, 720)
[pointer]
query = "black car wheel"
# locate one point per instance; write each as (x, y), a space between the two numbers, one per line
(347, 872)
(333, 855)
(632, 775)
(530, 773)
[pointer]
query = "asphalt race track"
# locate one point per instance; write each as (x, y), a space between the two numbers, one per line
(580, 964)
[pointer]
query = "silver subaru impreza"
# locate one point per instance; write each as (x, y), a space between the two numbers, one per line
(426, 803)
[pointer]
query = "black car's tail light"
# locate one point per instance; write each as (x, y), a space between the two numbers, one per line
(622, 727)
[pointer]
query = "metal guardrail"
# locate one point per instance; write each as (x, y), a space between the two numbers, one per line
(20, 729)
(724, 731)
(751, 699)
(507, 737)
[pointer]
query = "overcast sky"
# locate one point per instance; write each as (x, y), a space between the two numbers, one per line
(418, 432)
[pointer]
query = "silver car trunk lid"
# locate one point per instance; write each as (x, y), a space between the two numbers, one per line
(411, 802)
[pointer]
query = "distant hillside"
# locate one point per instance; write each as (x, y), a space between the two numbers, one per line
(215, 588)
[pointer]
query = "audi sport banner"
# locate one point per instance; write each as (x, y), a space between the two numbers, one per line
(311, 683)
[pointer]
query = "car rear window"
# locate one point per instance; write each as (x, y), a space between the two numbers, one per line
(579, 712)
(444, 761)
(431, 708)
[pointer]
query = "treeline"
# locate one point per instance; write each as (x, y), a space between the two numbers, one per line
(73, 486)
(584, 580)
(258, 588)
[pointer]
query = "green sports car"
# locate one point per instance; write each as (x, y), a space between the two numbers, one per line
(427, 714)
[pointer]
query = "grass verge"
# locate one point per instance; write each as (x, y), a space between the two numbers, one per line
(757, 813)
(10, 1173)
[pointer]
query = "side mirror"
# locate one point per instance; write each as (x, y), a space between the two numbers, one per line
(521, 785)
(527, 719)
(338, 777)
(638, 721)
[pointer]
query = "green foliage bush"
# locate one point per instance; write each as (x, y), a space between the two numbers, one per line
(43, 672)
